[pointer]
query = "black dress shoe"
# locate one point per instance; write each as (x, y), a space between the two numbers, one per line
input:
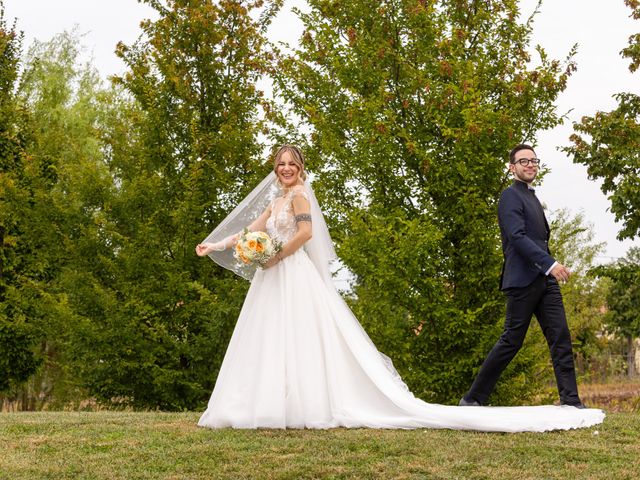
(468, 403)
(579, 405)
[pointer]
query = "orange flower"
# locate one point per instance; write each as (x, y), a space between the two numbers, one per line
(252, 244)
(259, 247)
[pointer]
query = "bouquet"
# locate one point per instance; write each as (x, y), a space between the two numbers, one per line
(256, 248)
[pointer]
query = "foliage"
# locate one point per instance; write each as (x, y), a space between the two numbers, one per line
(20, 182)
(623, 300)
(181, 148)
(121, 185)
(17, 362)
(607, 144)
(62, 164)
(413, 107)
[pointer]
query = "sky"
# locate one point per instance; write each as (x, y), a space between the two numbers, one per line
(600, 28)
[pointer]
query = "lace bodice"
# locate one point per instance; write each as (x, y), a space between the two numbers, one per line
(281, 224)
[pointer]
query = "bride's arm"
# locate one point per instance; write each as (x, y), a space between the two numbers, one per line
(301, 210)
(259, 224)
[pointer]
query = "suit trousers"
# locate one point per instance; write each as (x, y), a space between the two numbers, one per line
(543, 299)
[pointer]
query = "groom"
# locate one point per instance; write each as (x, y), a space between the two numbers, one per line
(530, 277)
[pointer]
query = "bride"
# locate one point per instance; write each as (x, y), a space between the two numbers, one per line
(298, 358)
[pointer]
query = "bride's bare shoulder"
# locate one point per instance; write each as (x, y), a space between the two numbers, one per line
(299, 191)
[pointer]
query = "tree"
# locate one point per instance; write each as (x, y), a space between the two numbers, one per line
(59, 177)
(623, 301)
(181, 147)
(413, 107)
(607, 144)
(19, 177)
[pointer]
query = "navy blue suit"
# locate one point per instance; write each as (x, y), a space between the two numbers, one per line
(525, 236)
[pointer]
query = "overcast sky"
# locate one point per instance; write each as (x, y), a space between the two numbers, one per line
(599, 27)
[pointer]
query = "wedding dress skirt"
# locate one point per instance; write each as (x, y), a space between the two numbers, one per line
(298, 358)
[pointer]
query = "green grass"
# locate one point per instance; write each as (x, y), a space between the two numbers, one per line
(117, 445)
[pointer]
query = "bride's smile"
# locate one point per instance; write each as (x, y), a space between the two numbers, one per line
(288, 171)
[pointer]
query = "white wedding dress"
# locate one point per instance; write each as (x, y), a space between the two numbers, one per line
(298, 358)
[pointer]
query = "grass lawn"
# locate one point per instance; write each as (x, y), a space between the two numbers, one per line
(127, 445)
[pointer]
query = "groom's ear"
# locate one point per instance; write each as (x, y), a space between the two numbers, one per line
(511, 167)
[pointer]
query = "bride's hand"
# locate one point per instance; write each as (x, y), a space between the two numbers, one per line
(203, 249)
(272, 261)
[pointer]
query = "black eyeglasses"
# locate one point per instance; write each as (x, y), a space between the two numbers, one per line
(528, 161)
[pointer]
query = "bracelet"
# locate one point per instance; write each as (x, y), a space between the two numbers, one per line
(302, 217)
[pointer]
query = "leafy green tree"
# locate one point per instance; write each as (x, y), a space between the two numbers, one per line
(623, 301)
(181, 146)
(19, 182)
(60, 176)
(607, 144)
(413, 107)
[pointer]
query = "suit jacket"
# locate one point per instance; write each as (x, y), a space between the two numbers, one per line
(525, 237)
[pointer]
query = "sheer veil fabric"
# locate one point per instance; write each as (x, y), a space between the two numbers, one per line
(298, 357)
(240, 217)
(320, 248)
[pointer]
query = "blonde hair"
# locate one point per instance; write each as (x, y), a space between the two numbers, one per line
(296, 155)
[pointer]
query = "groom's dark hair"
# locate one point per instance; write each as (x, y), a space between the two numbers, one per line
(516, 149)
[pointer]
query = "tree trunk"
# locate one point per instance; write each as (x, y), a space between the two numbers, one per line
(631, 357)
